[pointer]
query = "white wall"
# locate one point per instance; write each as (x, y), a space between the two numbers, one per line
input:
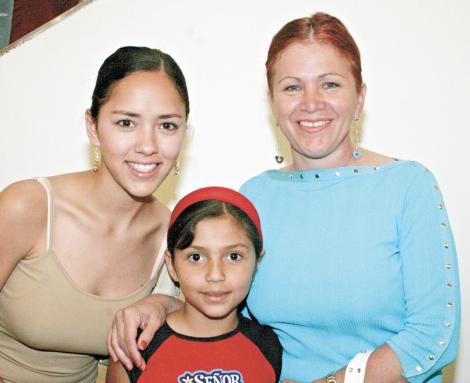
(416, 60)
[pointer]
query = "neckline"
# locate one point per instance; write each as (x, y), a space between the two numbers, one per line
(80, 290)
(341, 172)
(210, 338)
(50, 252)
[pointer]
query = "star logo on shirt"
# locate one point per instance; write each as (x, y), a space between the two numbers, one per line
(187, 379)
(216, 375)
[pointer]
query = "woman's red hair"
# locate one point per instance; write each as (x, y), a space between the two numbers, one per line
(321, 28)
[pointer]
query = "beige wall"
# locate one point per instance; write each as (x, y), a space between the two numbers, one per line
(416, 57)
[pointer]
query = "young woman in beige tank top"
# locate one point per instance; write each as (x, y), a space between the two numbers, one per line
(76, 248)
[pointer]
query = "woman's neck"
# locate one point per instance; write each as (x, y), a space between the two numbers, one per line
(113, 203)
(336, 159)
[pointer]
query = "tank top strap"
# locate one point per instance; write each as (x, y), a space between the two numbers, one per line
(50, 211)
(159, 262)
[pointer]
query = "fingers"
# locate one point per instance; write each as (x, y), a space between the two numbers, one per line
(147, 314)
(122, 345)
(112, 355)
(148, 331)
(130, 322)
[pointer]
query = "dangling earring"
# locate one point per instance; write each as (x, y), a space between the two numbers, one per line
(96, 158)
(177, 169)
(278, 157)
(356, 152)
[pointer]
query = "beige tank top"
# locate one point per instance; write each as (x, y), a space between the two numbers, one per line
(50, 329)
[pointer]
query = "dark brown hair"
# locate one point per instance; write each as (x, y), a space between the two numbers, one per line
(181, 233)
(127, 60)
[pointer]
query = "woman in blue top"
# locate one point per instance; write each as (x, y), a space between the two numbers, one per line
(359, 251)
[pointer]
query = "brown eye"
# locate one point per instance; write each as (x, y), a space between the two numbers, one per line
(234, 256)
(125, 123)
(168, 126)
(195, 257)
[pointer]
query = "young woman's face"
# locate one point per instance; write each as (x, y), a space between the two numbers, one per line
(216, 270)
(140, 130)
(314, 100)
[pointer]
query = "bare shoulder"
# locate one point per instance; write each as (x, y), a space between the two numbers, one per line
(156, 217)
(162, 211)
(24, 201)
(23, 219)
(370, 158)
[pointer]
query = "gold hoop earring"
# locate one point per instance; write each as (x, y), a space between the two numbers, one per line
(278, 157)
(356, 152)
(96, 158)
(177, 169)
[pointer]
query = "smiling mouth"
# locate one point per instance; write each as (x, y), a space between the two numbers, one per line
(143, 168)
(314, 124)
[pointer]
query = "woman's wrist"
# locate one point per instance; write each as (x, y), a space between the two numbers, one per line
(356, 368)
(168, 303)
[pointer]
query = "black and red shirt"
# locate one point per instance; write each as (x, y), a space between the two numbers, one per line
(249, 354)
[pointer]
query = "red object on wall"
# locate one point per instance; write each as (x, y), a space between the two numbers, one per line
(29, 15)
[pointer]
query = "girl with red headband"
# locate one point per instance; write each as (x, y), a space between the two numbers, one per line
(214, 243)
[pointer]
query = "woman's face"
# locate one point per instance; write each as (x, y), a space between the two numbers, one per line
(140, 130)
(314, 100)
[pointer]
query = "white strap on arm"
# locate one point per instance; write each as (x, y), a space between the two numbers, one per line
(356, 368)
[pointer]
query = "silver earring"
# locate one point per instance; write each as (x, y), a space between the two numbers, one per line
(96, 158)
(356, 152)
(278, 157)
(177, 169)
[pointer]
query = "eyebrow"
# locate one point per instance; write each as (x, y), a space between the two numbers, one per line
(330, 74)
(232, 246)
(321, 76)
(287, 78)
(132, 114)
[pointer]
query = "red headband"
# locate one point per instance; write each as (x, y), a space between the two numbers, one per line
(217, 193)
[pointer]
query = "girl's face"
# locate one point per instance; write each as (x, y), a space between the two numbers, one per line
(314, 100)
(216, 270)
(140, 130)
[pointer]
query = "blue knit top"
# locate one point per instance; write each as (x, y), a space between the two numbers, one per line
(356, 257)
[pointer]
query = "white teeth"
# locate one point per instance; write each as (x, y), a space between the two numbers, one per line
(316, 124)
(142, 167)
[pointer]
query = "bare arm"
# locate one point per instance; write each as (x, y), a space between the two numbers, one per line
(23, 218)
(116, 373)
(383, 366)
(147, 314)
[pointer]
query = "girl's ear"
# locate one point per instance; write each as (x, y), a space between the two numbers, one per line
(91, 129)
(170, 266)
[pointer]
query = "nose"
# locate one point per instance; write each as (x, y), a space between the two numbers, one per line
(312, 100)
(146, 142)
(215, 271)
